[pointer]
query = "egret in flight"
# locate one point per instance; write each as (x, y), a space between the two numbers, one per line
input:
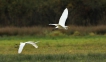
(22, 44)
(61, 24)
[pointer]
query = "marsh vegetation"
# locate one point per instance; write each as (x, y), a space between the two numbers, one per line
(54, 49)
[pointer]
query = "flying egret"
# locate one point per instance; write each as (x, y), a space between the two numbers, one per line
(61, 24)
(22, 44)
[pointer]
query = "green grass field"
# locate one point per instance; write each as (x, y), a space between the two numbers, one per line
(54, 49)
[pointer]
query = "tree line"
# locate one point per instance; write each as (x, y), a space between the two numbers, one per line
(42, 12)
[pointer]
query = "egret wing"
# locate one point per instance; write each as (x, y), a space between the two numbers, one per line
(21, 47)
(37, 41)
(34, 45)
(63, 17)
(53, 24)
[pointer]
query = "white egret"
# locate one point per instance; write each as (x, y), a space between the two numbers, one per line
(22, 44)
(61, 24)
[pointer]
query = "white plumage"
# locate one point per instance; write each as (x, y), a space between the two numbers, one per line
(61, 24)
(22, 44)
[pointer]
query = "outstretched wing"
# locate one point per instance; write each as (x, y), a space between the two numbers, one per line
(32, 43)
(63, 17)
(21, 47)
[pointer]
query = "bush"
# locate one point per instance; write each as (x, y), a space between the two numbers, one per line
(105, 34)
(56, 33)
(76, 33)
(92, 34)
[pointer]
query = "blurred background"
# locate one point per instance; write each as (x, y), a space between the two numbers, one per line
(43, 12)
(29, 13)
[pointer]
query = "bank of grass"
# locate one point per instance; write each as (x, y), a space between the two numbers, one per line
(49, 31)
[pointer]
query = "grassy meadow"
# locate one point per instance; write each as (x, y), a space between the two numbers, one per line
(54, 49)
(77, 44)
